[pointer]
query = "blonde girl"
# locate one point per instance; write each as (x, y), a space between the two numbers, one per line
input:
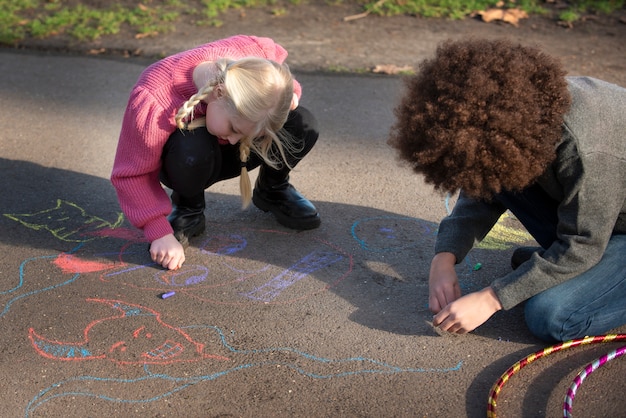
(202, 116)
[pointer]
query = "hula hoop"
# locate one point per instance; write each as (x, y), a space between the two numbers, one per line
(578, 380)
(497, 387)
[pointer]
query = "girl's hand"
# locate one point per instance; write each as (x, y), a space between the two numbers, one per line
(443, 285)
(167, 252)
(467, 313)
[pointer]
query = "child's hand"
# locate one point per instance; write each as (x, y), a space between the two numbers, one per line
(467, 313)
(443, 285)
(167, 252)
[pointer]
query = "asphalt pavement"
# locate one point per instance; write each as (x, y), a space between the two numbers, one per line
(264, 321)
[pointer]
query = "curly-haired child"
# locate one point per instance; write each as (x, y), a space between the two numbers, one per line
(503, 124)
(202, 116)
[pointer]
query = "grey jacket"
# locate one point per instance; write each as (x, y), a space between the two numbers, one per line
(588, 178)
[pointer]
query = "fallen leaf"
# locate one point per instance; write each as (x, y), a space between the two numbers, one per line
(511, 16)
(391, 69)
(145, 35)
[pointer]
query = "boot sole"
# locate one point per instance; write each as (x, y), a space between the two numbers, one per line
(300, 224)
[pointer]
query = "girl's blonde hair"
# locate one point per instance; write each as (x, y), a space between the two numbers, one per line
(259, 91)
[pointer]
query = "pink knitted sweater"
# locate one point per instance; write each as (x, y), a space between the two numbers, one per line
(149, 120)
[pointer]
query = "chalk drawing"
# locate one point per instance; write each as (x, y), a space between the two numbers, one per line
(138, 326)
(396, 233)
(502, 237)
(307, 265)
(383, 234)
(237, 271)
(149, 342)
(23, 288)
(224, 244)
(229, 269)
(67, 222)
(65, 269)
(391, 233)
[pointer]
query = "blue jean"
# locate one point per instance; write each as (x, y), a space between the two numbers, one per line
(590, 304)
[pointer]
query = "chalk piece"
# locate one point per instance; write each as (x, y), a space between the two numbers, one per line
(167, 295)
(477, 266)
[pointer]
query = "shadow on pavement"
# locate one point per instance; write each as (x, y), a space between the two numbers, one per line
(375, 260)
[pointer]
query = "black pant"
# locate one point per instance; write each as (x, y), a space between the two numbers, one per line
(194, 160)
(535, 210)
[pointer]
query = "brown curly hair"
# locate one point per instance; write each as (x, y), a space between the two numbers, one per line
(482, 115)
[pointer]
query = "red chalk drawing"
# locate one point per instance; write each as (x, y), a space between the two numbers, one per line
(145, 339)
(69, 263)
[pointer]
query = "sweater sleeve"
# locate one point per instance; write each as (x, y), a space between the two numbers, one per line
(145, 129)
(594, 194)
(470, 221)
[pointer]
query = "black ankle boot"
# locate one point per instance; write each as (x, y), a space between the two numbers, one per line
(187, 217)
(274, 193)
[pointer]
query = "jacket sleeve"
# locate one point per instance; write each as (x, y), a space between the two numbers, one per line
(594, 191)
(470, 221)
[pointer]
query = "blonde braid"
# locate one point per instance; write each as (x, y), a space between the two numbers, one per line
(187, 108)
(245, 185)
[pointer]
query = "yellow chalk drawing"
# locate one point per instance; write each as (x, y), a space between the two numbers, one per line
(67, 222)
(502, 237)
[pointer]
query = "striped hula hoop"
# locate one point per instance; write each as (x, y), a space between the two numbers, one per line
(497, 387)
(578, 380)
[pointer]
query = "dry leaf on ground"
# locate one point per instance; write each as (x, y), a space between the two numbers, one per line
(511, 16)
(391, 69)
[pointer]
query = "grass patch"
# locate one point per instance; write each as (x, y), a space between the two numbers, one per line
(45, 18)
(580, 7)
(449, 9)
(82, 21)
